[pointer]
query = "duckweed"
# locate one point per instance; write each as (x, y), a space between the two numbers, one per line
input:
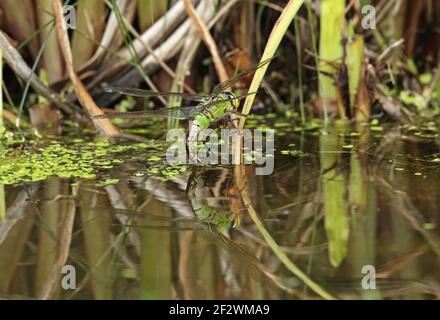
(65, 159)
(295, 153)
(154, 158)
(107, 182)
(428, 226)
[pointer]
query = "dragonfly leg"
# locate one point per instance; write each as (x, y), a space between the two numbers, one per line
(225, 122)
(239, 114)
(234, 125)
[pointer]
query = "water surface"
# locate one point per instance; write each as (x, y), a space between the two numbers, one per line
(335, 203)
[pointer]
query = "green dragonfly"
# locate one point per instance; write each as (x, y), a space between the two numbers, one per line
(218, 105)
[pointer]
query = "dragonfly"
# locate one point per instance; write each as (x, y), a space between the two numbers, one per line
(220, 105)
(212, 108)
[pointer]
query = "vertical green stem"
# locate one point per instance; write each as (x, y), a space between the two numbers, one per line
(299, 66)
(330, 49)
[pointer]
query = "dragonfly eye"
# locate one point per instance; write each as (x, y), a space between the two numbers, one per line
(234, 101)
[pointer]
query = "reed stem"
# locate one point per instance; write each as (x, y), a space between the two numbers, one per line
(330, 50)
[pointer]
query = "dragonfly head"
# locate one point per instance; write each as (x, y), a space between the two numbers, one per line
(235, 102)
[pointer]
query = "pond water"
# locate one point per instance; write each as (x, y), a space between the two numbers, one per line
(343, 206)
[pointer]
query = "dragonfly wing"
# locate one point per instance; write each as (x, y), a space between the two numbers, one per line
(176, 113)
(149, 93)
(226, 84)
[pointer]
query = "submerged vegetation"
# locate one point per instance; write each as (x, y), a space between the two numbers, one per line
(351, 90)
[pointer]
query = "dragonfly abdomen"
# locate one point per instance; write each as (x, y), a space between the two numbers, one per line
(208, 116)
(202, 121)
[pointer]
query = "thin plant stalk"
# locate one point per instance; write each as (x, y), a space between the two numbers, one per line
(273, 42)
(299, 66)
(242, 185)
(136, 62)
(208, 39)
(28, 82)
(315, 50)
